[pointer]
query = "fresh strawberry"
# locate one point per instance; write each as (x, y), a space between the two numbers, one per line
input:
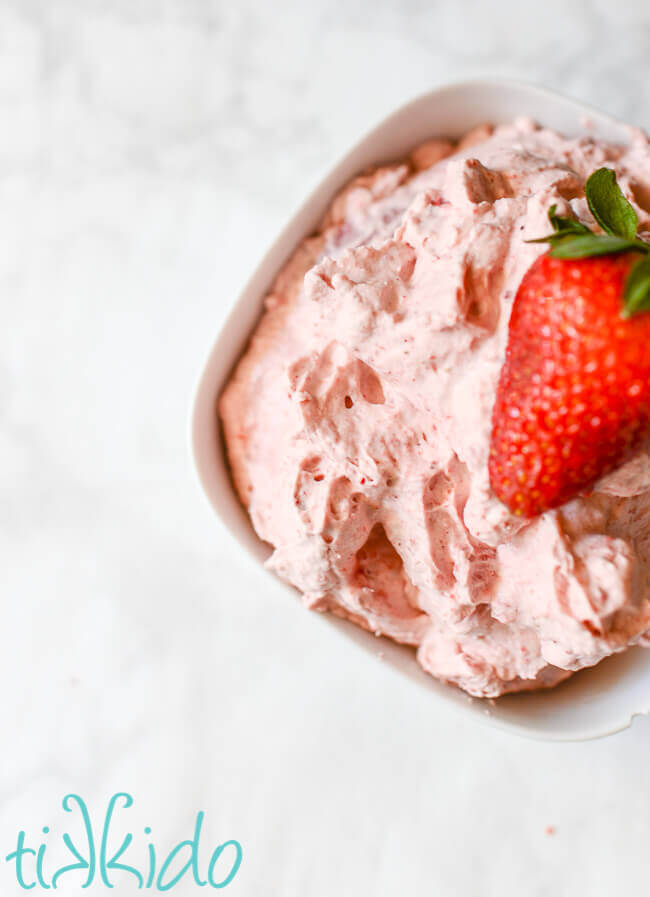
(573, 400)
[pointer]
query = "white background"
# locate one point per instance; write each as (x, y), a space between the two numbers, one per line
(149, 151)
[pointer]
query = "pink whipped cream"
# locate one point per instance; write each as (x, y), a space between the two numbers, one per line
(358, 421)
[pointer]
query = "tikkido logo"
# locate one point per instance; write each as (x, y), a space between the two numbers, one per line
(95, 862)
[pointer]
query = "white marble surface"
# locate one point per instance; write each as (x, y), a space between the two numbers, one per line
(149, 150)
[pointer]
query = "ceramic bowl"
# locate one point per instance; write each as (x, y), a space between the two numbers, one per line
(594, 702)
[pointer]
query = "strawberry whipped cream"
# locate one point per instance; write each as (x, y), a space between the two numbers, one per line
(358, 421)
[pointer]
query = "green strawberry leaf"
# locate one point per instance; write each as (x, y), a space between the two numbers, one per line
(609, 206)
(563, 225)
(583, 246)
(552, 238)
(571, 239)
(561, 235)
(636, 296)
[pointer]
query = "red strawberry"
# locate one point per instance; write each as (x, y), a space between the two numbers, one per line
(573, 399)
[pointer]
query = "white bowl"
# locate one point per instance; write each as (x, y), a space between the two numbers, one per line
(592, 703)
